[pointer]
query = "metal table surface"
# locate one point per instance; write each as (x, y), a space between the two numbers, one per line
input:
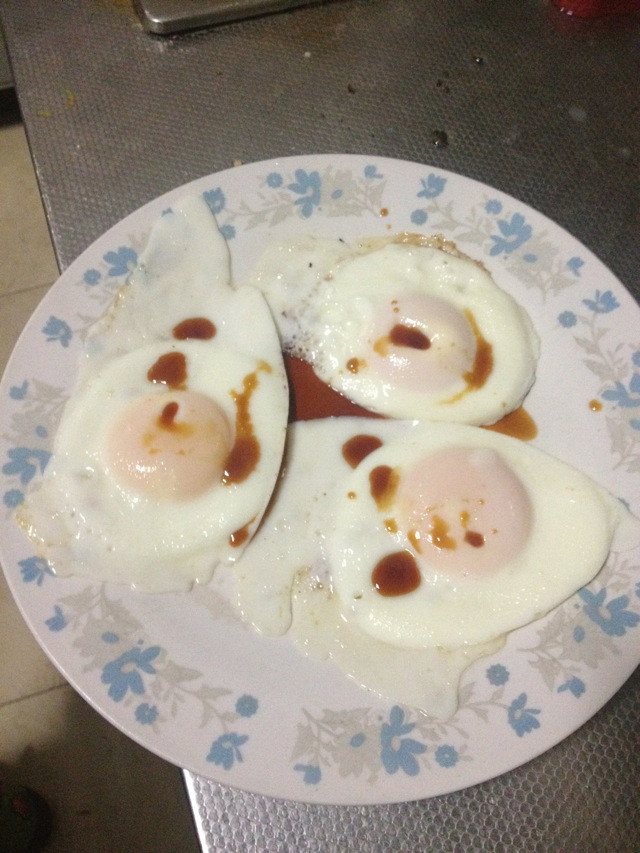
(536, 103)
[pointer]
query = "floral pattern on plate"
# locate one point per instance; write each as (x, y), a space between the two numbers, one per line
(180, 676)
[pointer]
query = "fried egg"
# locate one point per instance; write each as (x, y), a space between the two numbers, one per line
(170, 443)
(407, 327)
(420, 543)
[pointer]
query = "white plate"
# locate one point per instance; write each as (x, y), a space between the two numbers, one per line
(179, 675)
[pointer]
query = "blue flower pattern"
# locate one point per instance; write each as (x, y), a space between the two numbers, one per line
(59, 330)
(19, 392)
(446, 755)
(25, 462)
(573, 685)
(624, 395)
(399, 752)
(627, 396)
(307, 186)
(311, 773)
(13, 498)
(216, 200)
(602, 303)
(110, 637)
(34, 570)
(579, 634)
(124, 673)
(522, 720)
(146, 714)
(513, 234)
(371, 172)
(274, 180)
(246, 706)
(57, 622)
(225, 750)
(432, 186)
(120, 262)
(567, 319)
(497, 674)
(614, 618)
(575, 264)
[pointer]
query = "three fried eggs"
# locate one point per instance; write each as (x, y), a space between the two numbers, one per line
(427, 545)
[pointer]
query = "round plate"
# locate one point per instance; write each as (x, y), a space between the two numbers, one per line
(180, 675)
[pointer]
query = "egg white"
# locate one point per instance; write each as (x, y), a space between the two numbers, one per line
(573, 526)
(84, 519)
(320, 545)
(329, 300)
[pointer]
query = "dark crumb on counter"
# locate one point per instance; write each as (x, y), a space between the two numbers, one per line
(439, 138)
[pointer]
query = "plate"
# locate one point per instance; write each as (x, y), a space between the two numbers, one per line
(180, 675)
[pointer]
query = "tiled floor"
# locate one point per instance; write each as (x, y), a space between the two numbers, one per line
(106, 793)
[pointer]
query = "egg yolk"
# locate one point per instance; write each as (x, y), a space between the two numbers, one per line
(464, 511)
(422, 343)
(171, 446)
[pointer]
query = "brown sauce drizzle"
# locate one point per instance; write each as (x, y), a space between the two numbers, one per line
(245, 453)
(167, 417)
(311, 398)
(357, 448)
(383, 482)
(170, 369)
(396, 574)
(517, 424)
(439, 534)
(473, 538)
(407, 336)
(483, 361)
(194, 328)
(239, 537)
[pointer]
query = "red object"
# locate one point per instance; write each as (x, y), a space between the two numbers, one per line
(596, 8)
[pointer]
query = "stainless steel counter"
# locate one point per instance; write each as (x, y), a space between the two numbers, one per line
(538, 104)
